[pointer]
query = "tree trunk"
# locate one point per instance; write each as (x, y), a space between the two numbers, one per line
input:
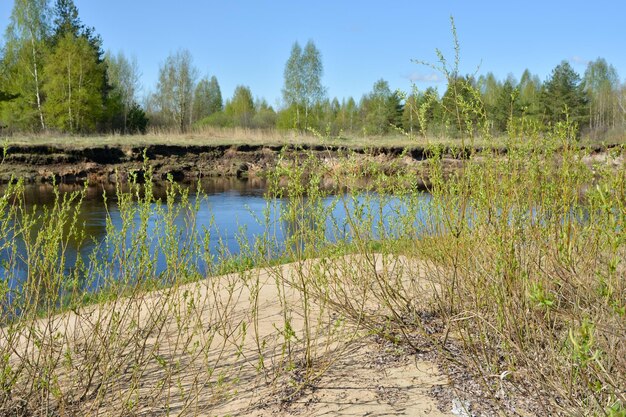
(36, 76)
(69, 91)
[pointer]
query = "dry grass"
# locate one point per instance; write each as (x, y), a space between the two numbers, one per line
(235, 136)
(218, 347)
(512, 274)
(270, 137)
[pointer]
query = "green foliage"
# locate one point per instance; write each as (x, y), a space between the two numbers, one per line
(217, 119)
(303, 82)
(293, 91)
(67, 23)
(241, 108)
(37, 53)
(123, 78)
(468, 106)
(22, 112)
(529, 95)
(381, 109)
(264, 115)
(4, 96)
(66, 20)
(463, 109)
(207, 98)
(215, 103)
(24, 55)
(563, 97)
(601, 84)
(74, 86)
(287, 118)
(347, 118)
(489, 88)
(616, 410)
(173, 99)
(422, 112)
(137, 121)
(501, 100)
(507, 106)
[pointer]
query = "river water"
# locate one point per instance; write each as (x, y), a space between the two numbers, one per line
(231, 216)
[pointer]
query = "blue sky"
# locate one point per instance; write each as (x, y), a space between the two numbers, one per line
(248, 42)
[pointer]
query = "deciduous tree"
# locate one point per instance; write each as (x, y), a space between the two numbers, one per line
(174, 95)
(601, 83)
(23, 60)
(241, 107)
(529, 94)
(303, 81)
(124, 79)
(506, 106)
(74, 85)
(382, 109)
(207, 98)
(264, 115)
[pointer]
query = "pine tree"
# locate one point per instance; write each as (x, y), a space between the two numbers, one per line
(215, 96)
(66, 20)
(506, 106)
(77, 87)
(563, 96)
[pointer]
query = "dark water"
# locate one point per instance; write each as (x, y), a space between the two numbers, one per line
(226, 205)
(232, 215)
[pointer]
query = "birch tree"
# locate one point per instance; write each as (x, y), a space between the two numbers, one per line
(25, 52)
(207, 98)
(303, 81)
(601, 83)
(293, 91)
(312, 71)
(74, 84)
(241, 107)
(174, 95)
(124, 78)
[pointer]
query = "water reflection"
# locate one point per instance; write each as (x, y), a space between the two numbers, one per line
(231, 217)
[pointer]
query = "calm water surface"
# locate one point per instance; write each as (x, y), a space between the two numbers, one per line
(232, 212)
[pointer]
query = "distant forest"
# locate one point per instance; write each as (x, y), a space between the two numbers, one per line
(55, 77)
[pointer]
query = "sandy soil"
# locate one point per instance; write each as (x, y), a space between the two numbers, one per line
(203, 349)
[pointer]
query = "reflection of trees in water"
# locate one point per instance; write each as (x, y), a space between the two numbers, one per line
(305, 222)
(94, 212)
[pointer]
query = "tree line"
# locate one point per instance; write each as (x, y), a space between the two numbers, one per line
(54, 76)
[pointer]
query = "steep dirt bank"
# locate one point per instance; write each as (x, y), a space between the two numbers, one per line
(100, 164)
(71, 164)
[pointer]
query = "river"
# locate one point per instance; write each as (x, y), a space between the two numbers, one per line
(229, 216)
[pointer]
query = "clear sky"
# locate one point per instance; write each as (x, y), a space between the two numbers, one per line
(248, 42)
